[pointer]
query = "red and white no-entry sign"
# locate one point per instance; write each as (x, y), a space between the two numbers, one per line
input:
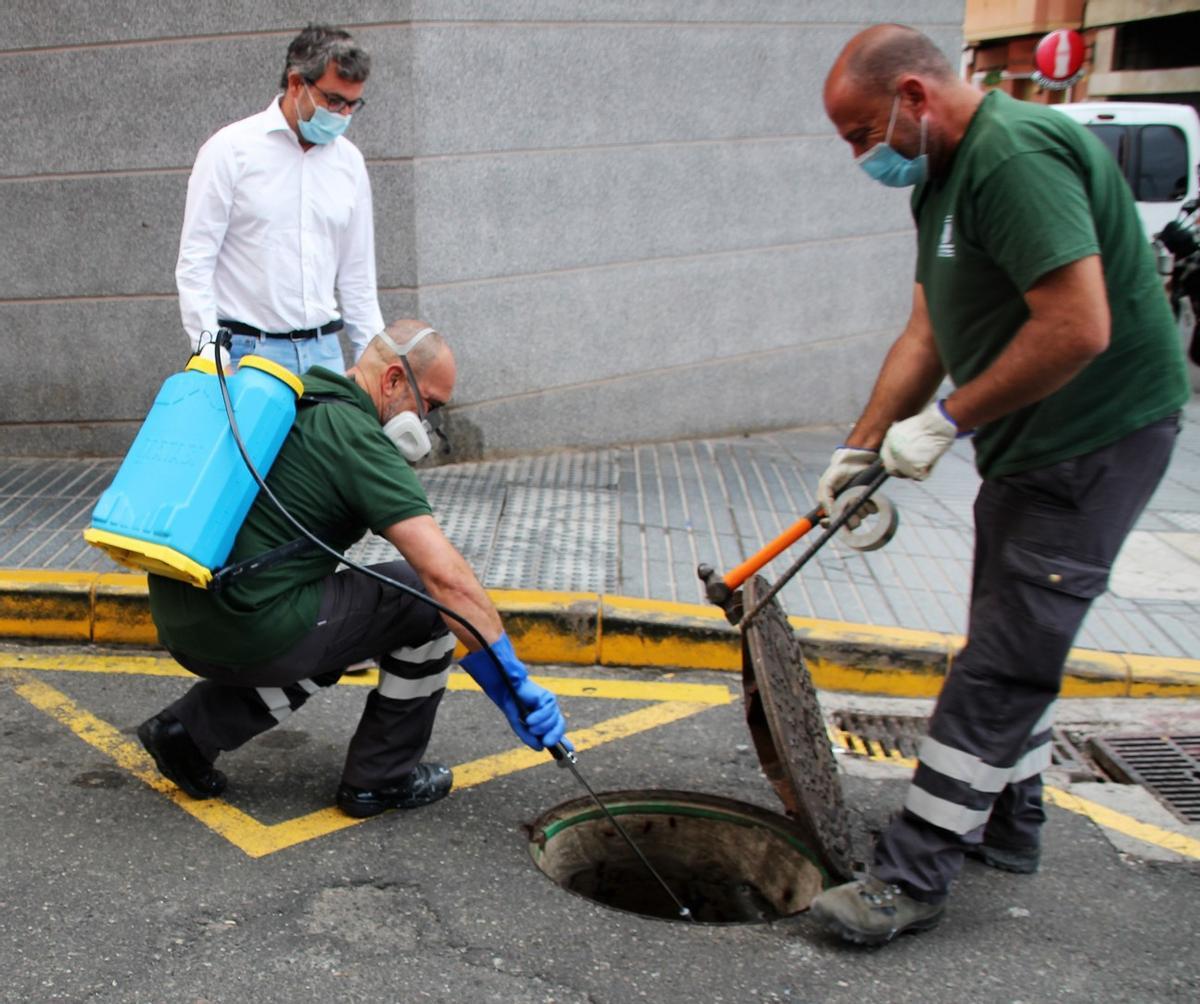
(1059, 59)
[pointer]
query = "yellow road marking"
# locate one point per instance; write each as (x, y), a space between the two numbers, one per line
(1102, 815)
(139, 665)
(1099, 814)
(674, 701)
(163, 666)
(258, 839)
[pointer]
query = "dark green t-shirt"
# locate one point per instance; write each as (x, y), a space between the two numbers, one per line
(1029, 191)
(338, 474)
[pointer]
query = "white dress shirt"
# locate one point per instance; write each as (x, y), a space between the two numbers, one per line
(271, 231)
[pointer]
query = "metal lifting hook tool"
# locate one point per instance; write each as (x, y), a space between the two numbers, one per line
(865, 522)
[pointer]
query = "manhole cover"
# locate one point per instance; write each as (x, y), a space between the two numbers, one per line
(1168, 766)
(728, 861)
(789, 732)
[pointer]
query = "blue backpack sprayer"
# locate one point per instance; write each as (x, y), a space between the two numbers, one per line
(182, 493)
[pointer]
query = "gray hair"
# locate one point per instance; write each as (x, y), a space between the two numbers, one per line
(425, 351)
(317, 46)
(892, 51)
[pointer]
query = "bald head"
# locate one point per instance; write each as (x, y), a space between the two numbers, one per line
(875, 59)
(382, 374)
(892, 81)
(401, 333)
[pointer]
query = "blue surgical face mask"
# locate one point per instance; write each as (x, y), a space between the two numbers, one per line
(890, 168)
(324, 126)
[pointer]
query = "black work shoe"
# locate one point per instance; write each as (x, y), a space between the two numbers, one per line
(1022, 860)
(869, 911)
(427, 783)
(178, 758)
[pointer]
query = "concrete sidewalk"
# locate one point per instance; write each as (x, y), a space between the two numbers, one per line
(592, 556)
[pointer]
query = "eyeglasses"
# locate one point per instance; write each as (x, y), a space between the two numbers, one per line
(335, 102)
(426, 410)
(430, 415)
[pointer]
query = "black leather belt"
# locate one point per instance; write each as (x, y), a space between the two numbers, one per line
(238, 328)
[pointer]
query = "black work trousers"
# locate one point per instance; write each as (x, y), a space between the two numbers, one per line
(359, 618)
(1045, 542)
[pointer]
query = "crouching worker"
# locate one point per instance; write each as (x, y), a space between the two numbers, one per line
(267, 642)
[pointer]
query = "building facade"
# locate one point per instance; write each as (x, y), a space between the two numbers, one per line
(1137, 50)
(630, 217)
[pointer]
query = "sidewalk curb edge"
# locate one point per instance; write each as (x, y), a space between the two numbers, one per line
(595, 629)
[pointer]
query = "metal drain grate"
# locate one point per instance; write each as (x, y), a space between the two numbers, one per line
(896, 737)
(1169, 766)
(890, 737)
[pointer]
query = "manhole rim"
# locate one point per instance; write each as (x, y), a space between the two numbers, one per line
(643, 802)
(588, 812)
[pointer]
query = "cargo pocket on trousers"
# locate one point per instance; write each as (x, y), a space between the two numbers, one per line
(1053, 590)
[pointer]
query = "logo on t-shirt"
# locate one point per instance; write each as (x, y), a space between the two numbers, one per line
(946, 243)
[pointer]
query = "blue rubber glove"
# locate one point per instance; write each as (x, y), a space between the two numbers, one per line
(532, 711)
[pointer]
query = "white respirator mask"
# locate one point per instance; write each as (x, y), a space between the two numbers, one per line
(409, 430)
(410, 434)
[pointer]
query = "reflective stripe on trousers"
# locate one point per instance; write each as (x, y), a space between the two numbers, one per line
(968, 776)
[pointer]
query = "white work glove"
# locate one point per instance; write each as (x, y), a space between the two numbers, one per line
(913, 446)
(846, 464)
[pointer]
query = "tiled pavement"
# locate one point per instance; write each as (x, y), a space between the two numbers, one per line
(637, 520)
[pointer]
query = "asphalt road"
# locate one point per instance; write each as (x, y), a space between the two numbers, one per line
(111, 891)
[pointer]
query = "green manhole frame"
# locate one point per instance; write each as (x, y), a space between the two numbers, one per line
(668, 803)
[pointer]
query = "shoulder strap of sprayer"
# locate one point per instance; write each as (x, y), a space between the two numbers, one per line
(251, 566)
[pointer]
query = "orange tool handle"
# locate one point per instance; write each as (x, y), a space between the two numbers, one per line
(736, 576)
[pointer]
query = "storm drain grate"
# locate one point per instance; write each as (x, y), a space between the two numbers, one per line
(1169, 766)
(897, 737)
(883, 737)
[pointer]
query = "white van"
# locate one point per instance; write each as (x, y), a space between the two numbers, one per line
(1157, 146)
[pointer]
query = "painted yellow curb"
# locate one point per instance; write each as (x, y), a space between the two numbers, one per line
(593, 629)
(658, 633)
(559, 627)
(53, 606)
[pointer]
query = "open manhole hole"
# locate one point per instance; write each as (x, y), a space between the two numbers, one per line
(729, 862)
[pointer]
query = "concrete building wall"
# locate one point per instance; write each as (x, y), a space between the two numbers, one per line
(630, 216)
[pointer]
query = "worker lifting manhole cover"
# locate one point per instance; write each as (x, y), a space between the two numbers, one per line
(728, 861)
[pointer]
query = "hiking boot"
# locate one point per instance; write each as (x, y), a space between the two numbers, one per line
(427, 783)
(1022, 860)
(871, 912)
(178, 758)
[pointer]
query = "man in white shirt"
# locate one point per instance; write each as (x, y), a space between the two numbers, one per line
(278, 228)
